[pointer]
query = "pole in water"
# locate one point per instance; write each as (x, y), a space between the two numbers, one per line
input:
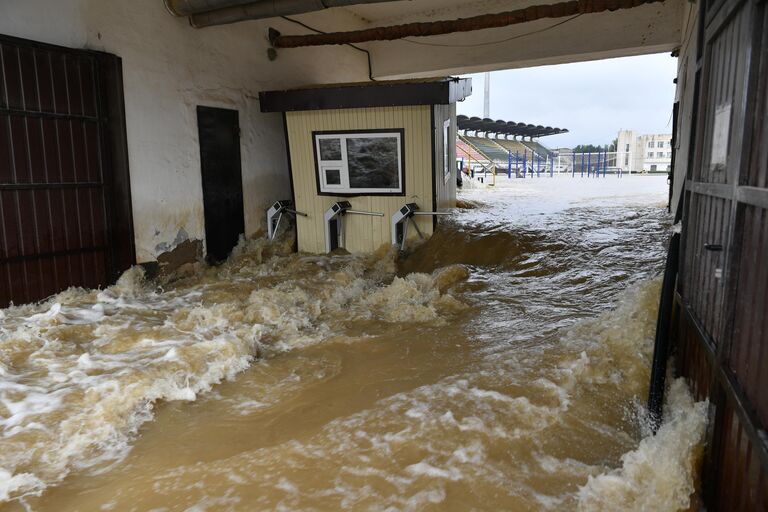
(605, 155)
(661, 343)
(582, 164)
(589, 163)
(538, 164)
(597, 172)
(509, 164)
(525, 162)
(517, 163)
(573, 164)
(605, 164)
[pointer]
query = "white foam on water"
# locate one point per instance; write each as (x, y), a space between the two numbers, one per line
(17, 485)
(473, 435)
(660, 473)
(83, 371)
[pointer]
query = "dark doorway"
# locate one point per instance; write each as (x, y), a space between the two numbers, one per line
(65, 201)
(219, 131)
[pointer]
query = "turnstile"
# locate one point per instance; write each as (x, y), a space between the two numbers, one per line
(275, 215)
(334, 223)
(402, 218)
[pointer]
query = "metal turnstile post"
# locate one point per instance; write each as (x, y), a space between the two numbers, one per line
(275, 215)
(334, 223)
(402, 218)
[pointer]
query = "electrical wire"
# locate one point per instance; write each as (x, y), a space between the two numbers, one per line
(423, 43)
(688, 30)
(367, 53)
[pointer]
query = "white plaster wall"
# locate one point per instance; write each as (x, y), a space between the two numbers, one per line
(169, 68)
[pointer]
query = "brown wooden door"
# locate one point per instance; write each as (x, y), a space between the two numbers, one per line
(57, 173)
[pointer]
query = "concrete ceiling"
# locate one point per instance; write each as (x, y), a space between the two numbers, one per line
(650, 28)
(413, 10)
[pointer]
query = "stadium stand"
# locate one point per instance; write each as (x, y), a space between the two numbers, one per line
(467, 152)
(538, 148)
(490, 149)
(513, 146)
(495, 151)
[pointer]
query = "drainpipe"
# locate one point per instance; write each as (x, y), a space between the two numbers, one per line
(661, 345)
(206, 13)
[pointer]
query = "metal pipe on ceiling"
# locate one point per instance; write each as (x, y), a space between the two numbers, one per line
(206, 13)
(190, 7)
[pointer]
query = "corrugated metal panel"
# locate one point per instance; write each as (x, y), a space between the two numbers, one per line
(723, 334)
(708, 225)
(363, 234)
(758, 173)
(734, 471)
(445, 188)
(728, 55)
(53, 219)
(693, 361)
(741, 476)
(748, 356)
(749, 349)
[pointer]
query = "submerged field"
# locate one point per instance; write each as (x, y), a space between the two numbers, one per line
(500, 366)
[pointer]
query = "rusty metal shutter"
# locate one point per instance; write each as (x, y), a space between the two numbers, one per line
(723, 346)
(56, 172)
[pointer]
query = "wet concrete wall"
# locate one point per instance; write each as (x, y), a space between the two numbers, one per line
(169, 68)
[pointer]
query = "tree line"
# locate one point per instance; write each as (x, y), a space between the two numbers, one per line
(591, 148)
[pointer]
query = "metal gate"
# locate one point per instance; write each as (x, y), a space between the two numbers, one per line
(63, 171)
(723, 289)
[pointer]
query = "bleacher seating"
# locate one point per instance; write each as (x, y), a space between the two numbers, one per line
(538, 148)
(467, 152)
(497, 150)
(514, 146)
(490, 149)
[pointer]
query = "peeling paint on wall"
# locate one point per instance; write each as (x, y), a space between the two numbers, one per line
(181, 236)
(185, 253)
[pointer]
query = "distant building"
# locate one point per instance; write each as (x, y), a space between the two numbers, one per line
(643, 153)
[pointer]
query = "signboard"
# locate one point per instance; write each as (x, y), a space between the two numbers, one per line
(720, 137)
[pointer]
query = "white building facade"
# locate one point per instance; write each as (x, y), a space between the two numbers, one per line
(643, 153)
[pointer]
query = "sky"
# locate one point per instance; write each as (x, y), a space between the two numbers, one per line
(594, 100)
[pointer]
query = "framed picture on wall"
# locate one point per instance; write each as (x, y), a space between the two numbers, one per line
(360, 162)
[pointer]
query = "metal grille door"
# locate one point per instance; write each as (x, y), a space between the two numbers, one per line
(54, 223)
(723, 343)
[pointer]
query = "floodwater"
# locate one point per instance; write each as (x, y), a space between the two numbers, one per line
(500, 366)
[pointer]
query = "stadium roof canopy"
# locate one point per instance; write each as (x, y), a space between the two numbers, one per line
(500, 127)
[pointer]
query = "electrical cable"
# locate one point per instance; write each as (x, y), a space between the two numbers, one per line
(367, 53)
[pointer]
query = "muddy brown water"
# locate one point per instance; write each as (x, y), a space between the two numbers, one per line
(502, 365)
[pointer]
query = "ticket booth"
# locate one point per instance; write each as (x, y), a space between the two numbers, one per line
(371, 163)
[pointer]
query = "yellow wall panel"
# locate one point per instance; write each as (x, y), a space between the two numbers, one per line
(363, 233)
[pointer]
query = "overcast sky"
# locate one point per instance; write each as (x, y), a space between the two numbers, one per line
(594, 100)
